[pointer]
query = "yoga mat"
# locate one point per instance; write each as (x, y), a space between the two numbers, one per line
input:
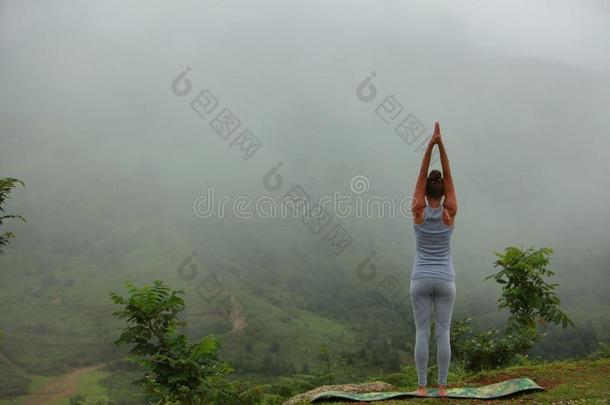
(496, 390)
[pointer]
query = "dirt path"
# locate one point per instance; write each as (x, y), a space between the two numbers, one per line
(237, 315)
(61, 388)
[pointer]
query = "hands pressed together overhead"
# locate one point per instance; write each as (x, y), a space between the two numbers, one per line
(436, 137)
(450, 199)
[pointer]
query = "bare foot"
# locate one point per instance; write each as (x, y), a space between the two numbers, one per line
(421, 391)
(442, 390)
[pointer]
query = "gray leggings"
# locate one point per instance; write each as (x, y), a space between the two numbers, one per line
(425, 294)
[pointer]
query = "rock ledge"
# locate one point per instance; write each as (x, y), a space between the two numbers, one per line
(374, 386)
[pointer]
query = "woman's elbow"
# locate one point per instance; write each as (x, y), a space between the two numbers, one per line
(451, 206)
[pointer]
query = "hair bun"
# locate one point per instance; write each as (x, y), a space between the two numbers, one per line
(435, 176)
(435, 187)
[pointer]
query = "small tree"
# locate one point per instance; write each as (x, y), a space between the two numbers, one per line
(529, 299)
(6, 186)
(525, 293)
(176, 372)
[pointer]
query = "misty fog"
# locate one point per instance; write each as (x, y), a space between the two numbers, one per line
(113, 160)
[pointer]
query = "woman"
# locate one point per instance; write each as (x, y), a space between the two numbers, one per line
(432, 282)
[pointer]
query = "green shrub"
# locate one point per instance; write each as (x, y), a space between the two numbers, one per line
(525, 293)
(530, 301)
(175, 370)
(489, 349)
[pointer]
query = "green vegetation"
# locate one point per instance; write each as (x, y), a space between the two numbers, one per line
(6, 186)
(13, 381)
(192, 374)
(525, 293)
(530, 300)
(55, 280)
(176, 371)
(577, 381)
(173, 371)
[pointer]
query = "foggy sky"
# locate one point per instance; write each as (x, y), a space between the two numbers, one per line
(521, 89)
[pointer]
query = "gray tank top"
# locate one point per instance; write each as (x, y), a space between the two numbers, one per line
(433, 247)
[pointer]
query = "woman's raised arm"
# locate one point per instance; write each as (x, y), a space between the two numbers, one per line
(419, 196)
(450, 202)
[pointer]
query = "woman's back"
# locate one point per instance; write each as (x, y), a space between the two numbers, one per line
(433, 247)
(432, 286)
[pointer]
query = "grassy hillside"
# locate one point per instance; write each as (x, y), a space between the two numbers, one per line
(57, 313)
(60, 313)
(579, 381)
(584, 381)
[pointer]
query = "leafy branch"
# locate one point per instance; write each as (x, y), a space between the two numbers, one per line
(6, 186)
